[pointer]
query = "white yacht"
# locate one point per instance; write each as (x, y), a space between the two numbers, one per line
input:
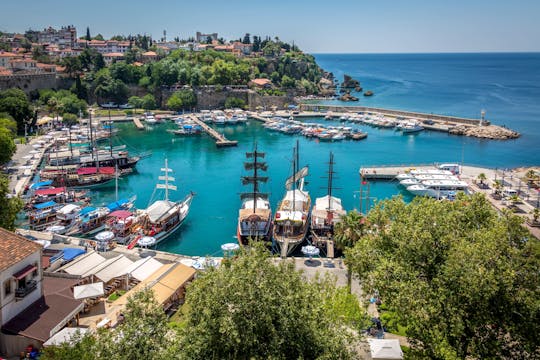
(414, 173)
(438, 188)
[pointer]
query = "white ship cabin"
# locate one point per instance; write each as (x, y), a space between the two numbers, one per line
(455, 169)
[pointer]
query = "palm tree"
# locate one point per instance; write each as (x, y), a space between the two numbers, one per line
(531, 176)
(347, 232)
(482, 177)
(497, 185)
(535, 214)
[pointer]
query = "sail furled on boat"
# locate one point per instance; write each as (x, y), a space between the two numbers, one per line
(300, 174)
(251, 165)
(252, 180)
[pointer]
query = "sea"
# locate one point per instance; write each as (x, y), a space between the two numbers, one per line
(505, 85)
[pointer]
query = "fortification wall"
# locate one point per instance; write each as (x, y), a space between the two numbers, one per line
(28, 82)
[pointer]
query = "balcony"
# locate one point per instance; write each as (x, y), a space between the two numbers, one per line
(21, 292)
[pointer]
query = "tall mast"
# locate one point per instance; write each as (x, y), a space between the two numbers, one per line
(255, 183)
(295, 165)
(330, 178)
(166, 180)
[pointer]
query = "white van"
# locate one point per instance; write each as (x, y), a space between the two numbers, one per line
(510, 192)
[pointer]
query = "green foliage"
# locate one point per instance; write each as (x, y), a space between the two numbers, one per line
(62, 102)
(287, 82)
(16, 104)
(462, 277)
(183, 99)
(233, 102)
(149, 102)
(70, 119)
(7, 146)
(7, 122)
(10, 206)
(253, 308)
(136, 102)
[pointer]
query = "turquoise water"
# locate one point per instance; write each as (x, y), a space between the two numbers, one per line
(214, 174)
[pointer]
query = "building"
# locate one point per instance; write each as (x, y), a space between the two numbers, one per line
(33, 307)
(149, 56)
(6, 57)
(65, 37)
(200, 37)
(109, 58)
(261, 83)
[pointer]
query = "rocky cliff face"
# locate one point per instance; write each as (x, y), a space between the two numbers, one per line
(485, 132)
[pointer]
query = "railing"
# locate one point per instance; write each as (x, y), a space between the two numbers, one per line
(22, 292)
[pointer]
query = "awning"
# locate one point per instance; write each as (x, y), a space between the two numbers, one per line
(117, 204)
(88, 290)
(72, 253)
(86, 171)
(41, 184)
(44, 205)
(66, 335)
(120, 214)
(107, 170)
(53, 191)
(86, 210)
(25, 271)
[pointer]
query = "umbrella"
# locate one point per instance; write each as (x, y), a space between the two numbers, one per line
(34, 152)
(230, 247)
(105, 236)
(146, 241)
(310, 251)
(27, 157)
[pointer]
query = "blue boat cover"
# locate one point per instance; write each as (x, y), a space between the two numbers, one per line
(72, 253)
(44, 205)
(117, 204)
(86, 210)
(40, 184)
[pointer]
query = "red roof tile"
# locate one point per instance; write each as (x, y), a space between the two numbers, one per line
(14, 248)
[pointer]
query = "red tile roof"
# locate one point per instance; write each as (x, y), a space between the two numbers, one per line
(149, 53)
(7, 54)
(15, 248)
(261, 82)
(114, 54)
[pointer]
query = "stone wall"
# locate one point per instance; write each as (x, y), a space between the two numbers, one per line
(28, 82)
(268, 101)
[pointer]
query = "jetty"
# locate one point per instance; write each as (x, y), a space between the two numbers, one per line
(389, 172)
(221, 140)
(138, 123)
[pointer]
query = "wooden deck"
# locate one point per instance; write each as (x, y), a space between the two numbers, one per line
(138, 123)
(221, 140)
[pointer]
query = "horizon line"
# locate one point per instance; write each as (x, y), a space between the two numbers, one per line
(425, 52)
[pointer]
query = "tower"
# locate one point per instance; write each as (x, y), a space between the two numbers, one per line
(482, 117)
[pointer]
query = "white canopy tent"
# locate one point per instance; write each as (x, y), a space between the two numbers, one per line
(111, 268)
(83, 264)
(143, 268)
(385, 349)
(88, 290)
(65, 335)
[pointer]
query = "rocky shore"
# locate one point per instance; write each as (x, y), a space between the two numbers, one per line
(485, 132)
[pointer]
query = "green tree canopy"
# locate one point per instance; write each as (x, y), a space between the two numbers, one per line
(7, 146)
(7, 122)
(149, 102)
(16, 104)
(136, 102)
(234, 102)
(10, 205)
(252, 308)
(463, 278)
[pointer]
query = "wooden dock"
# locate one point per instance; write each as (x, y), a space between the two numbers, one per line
(221, 140)
(390, 172)
(138, 123)
(259, 117)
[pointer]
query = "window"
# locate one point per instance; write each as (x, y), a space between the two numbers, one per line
(7, 287)
(35, 272)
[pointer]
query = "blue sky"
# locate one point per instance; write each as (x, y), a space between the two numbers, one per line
(353, 26)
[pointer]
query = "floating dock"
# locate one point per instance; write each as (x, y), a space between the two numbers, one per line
(138, 123)
(221, 140)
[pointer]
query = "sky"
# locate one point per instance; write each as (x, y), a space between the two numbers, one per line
(316, 26)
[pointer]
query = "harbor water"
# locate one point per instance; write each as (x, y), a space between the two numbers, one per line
(507, 86)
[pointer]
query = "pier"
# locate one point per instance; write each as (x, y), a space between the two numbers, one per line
(390, 172)
(138, 123)
(395, 113)
(221, 140)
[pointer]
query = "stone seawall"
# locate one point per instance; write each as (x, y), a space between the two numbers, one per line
(28, 82)
(391, 112)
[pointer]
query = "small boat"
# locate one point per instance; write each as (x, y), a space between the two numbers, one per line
(164, 217)
(255, 215)
(292, 217)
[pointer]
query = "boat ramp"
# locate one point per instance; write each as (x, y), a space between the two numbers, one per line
(221, 140)
(138, 123)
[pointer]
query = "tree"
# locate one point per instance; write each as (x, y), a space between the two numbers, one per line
(347, 233)
(10, 205)
(16, 104)
(99, 37)
(251, 308)
(7, 122)
(246, 39)
(234, 102)
(136, 102)
(175, 102)
(88, 37)
(73, 65)
(462, 278)
(7, 146)
(287, 82)
(70, 119)
(149, 102)
(482, 177)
